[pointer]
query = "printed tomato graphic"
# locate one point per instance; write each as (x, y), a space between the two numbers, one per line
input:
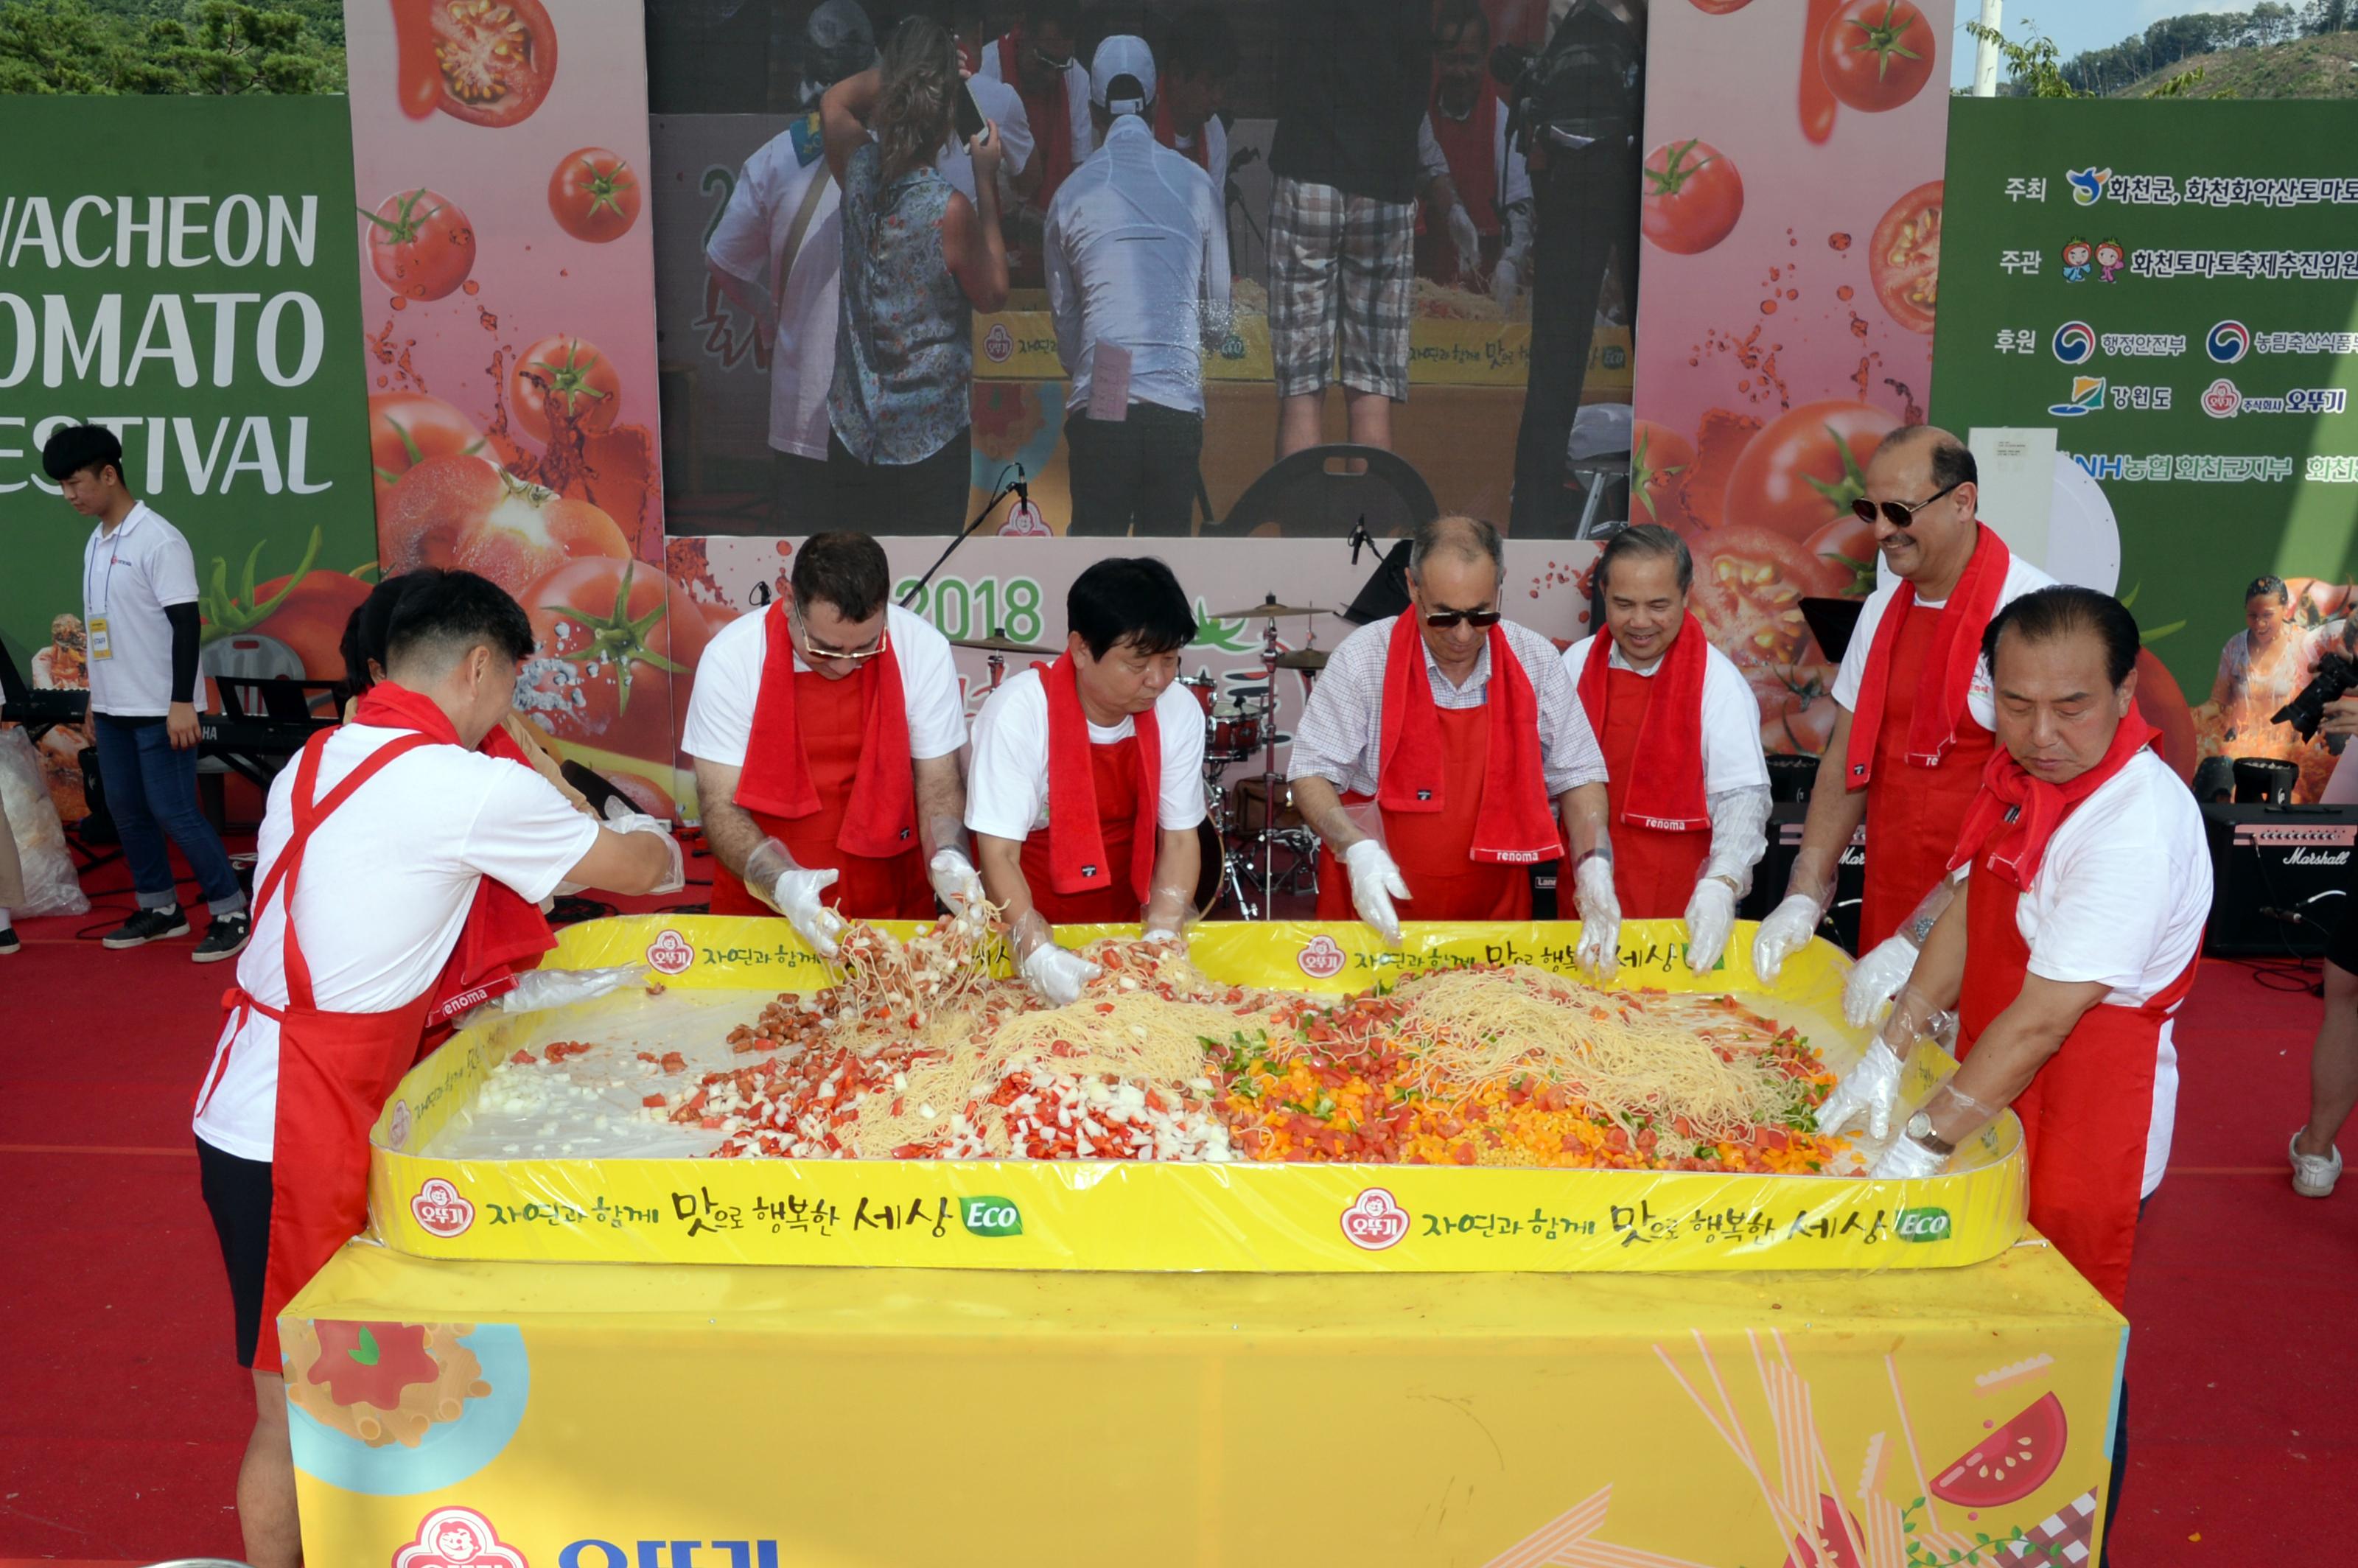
(300, 615)
(1693, 196)
(567, 372)
(1797, 711)
(1904, 257)
(605, 654)
(497, 58)
(466, 512)
(1876, 54)
(1748, 586)
(2009, 1464)
(1659, 460)
(1836, 1543)
(2164, 707)
(1847, 546)
(407, 427)
(594, 195)
(420, 245)
(1805, 469)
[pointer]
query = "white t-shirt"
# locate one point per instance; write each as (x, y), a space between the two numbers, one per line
(1731, 716)
(2121, 898)
(2021, 577)
(748, 245)
(1076, 105)
(1003, 106)
(128, 578)
(384, 894)
(1007, 785)
(729, 686)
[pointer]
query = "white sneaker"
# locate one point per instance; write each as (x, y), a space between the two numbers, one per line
(2313, 1175)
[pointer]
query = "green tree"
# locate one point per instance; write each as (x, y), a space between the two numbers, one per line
(170, 47)
(222, 47)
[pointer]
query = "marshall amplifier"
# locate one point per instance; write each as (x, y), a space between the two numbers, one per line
(2278, 876)
(1785, 819)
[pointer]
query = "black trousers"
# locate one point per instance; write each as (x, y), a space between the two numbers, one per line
(1586, 206)
(1134, 475)
(928, 496)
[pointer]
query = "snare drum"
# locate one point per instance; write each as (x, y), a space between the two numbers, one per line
(1235, 727)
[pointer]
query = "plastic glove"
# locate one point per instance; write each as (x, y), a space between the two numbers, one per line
(1376, 880)
(1907, 1161)
(772, 876)
(1710, 915)
(620, 818)
(1875, 980)
(1506, 282)
(1869, 1089)
(537, 991)
(1164, 918)
(1600, 918)
(1468, 242)
(1786, 932)
(956, 881)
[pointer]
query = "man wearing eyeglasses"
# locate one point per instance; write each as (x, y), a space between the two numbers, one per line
(825, 733)
(1038, 59)
(1441, 751)
(1913, 733)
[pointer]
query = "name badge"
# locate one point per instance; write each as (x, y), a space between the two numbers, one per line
(97, 640)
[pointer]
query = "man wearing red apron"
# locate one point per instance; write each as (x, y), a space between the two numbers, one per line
(1681, 731)
(1443, 753)
(1039, 59)
(1087, 784)
(1912, 729)
(2074, 939)
(825, 732)
(371, 855)
(1473, 177)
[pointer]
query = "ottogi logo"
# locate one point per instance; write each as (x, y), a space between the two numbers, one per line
(990, 1216)
(396, 1129)
(1320, 958)
(2087, 184)
(2074, 342)
(670, 953)
(999, 344)
(2087, 397)
(1922, 1224)
(2228, 341)
(458, 1538)
(1375, 1221)
(2222, 399)
(440, 1209)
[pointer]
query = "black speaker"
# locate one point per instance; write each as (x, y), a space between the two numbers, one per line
(2279, 877)
(1785, 822)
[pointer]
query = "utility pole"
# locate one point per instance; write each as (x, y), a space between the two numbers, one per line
(1985, 50)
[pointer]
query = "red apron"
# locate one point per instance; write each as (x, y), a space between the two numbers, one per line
(1114, 770)
(1435, 848)
(833, 717)
(1913, 813)
(336, 1070)
(1654, 870)
(2086, 1116)
(1470, 147)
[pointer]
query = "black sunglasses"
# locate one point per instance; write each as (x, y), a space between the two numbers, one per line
(1899, 513)
(1480, 620)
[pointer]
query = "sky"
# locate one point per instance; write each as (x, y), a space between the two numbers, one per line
(2074, 24)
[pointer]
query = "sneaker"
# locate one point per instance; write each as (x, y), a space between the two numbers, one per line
(148, 926)
(8, 943)
(2313, 1175)
(225, 937)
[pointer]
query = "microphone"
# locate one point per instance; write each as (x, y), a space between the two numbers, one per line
(1360, 540)
(1023, 490)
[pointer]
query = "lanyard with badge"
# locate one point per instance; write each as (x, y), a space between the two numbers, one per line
(99, 645)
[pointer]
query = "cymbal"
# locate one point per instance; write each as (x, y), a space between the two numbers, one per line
(1303, 659)
(1002, 645)
(1268, 608)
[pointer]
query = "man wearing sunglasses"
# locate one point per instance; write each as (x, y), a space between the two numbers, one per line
(1913, 733)
(1445, 751)
(825, 732)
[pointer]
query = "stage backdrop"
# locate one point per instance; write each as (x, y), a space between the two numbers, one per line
(2172, 288)
(1792, 217)
(180, 270)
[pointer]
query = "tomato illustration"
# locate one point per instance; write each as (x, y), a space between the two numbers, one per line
(2164, 707)
(1693, 196)
(420, 245)
(1836, 1543)
(2009, 1464)
(1876, 54)
(1805, 468)
(417, 79)
(1748, 586)
(297, 620)
(1660, 459)
(593, 195)
(1817, 99)
(608, 662)
(569, 373)
(407, 427)
(1721, 436)
(497, 58)
(1797, 711)
(466, 512)
(1847, 545)
(1904, 257)
(2316, 601)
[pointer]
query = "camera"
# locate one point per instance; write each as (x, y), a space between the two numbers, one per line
(2336, 676)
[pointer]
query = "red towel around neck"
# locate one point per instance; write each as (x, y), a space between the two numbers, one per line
(1513, 822)
(1051, 117)
(1948, 675)
(1168, 135)
(2018, 812)
(1076, 854)
(881, 820)
(1666, 774)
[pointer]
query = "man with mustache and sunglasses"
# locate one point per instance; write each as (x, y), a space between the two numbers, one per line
(1916, 715)
(1444, 753)
(825, 732)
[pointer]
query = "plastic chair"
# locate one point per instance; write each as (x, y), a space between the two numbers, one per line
(1311, 496)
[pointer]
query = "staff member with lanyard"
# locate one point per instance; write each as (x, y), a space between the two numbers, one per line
(371, 855)
(1087, 782)
(1681, 731)
(1463, 733)
(825, 732)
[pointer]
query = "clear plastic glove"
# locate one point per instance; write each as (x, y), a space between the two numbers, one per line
(1165, 915)
(1506, 282)
(1869, 1089)
(537, 991)
(1710, 915)
(1055, 974)
(1875, 980)
(772, 876)
(1907, 1161)
(620, 818)
(956, 881)
(1600, 918)
(1376, 881)
(1468, 242)
(1786, 932)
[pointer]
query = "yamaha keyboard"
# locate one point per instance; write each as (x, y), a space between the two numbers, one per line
(259, 745)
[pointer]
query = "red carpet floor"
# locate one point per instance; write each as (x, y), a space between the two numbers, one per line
(122, 1416)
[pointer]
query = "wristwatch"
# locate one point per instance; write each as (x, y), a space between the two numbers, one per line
(1919, 1131)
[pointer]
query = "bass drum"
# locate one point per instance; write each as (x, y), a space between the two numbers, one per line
(1210, 869)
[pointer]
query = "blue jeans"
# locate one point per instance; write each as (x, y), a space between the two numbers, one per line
(151, 791)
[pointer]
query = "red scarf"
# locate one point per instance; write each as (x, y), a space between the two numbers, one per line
(1051, 117)
(1076, 852)
(2018, 812)
(1948, 674)
(504, 930)
(1513, 824)
(1168, 135)
(881, 820)
(1666, 773)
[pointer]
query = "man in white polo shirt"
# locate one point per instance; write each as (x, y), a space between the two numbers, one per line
(139, 606)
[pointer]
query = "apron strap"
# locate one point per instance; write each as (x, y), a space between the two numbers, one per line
(309, 813)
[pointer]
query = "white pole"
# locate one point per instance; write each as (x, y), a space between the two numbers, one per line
(1985, 52)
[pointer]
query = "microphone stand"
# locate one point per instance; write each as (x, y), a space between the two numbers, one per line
(1013, 487)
